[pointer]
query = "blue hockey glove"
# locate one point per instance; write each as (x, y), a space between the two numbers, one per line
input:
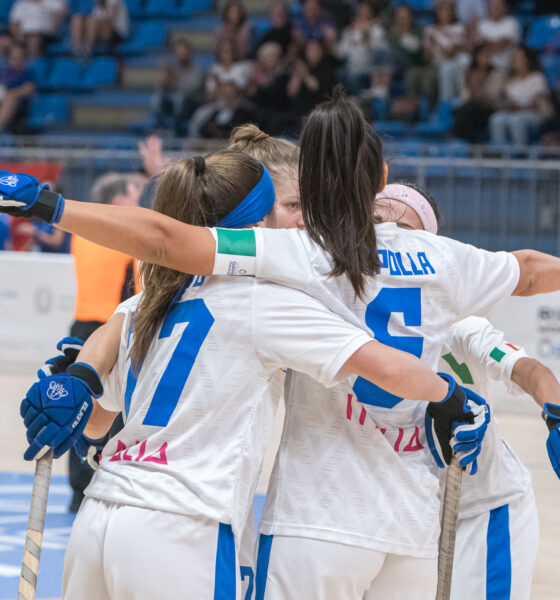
(21, 195)
(551, 415)
(56, 409)
(457, 424)
(70, 348)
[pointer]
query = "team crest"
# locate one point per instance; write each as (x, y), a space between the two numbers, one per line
(56, 391)
(10, 181)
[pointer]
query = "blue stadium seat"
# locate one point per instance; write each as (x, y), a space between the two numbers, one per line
(146, 36)
(438, 124)
(551, 68)
(40, 69)
(542, 31)
(48, 110)
(100, 72)
(193, 6)
(135, 7)
(5, 7)
(161, 8)
(65, 74)
(417, 5)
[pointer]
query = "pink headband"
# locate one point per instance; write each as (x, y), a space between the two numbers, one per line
(412, 198)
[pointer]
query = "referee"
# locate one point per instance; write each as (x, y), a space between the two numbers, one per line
(104, 278)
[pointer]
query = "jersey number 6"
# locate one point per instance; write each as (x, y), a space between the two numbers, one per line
(378, 313)
(199, 321)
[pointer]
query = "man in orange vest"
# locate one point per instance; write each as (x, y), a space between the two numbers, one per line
(104, 279)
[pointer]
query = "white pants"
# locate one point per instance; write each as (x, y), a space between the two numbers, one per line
(290, 568)
(120, 552)
(495, 553)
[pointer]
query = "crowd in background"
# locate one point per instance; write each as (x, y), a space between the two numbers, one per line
(469, 58)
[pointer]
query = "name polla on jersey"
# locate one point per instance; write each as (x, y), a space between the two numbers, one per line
(476, 353)
(353, 465)
(199, 412)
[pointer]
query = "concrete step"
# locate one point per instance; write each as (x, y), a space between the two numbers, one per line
(202, 41)
(108, 117)
(141, 78)
(252, 6)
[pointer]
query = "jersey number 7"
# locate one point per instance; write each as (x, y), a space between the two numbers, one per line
(378, 313)
(168, 391)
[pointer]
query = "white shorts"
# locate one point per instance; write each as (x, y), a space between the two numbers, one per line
(495, 553)
(121, 552)
(290, 568)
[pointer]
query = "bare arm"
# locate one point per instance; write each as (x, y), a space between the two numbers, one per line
(397, 372)
(539, 273)
(101, 351)
(143, 234)
(537, 380)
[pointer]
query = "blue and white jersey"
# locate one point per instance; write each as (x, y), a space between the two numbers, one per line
(475, 354)
(199, 412)
(353, 465)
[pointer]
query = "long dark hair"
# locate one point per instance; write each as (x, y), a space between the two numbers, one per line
(198, 192)
(340, 172)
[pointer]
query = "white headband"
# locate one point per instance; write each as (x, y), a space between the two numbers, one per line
(412, 198)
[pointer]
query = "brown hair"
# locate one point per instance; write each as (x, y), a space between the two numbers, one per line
(340, 171)
(275, 153)
(199, 192)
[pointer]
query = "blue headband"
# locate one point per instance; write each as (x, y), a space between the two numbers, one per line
(254, 207)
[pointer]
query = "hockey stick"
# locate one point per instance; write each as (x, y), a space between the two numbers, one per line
(35, 525)
(451, 499)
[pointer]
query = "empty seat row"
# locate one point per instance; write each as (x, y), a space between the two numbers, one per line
(69, 74)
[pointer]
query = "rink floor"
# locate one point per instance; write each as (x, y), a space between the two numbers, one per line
(524, 430)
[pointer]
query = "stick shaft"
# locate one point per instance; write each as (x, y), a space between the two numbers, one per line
(450, 513)
(35, 526)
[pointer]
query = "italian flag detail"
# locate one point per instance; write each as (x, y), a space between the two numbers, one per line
(497, 354)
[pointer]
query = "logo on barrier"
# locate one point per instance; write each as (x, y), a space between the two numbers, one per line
(56, 391)
(43, 300)
(10, 181)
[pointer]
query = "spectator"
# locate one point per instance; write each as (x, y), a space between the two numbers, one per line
(281, 29)
(314, 26)
(35, 23)
(481, 91)
(469, 12)
(227, 68)
(267, 89)
(16, 87)
(182, 89)
(104, 279)
(79, 11)
(236, 28)
(107, 23)
(500, 32)
(312, 79)
(405, 41)
(231, 108)
(445, 46)
(362, 46)
(526, 100)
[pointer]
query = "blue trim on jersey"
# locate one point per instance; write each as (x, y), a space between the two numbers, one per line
(498, 558)
(226, 577)
(263, 556)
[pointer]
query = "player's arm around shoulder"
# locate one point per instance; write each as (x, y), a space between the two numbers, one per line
(539, 273)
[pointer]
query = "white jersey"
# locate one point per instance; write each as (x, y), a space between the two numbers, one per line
(475, 354)
(341, 475)
(199, 413)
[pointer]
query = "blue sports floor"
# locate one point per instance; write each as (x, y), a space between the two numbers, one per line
(15, 495)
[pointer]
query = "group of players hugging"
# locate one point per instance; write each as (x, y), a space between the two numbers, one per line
(350, 317)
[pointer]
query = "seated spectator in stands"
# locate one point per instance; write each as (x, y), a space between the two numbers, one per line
(550, 128)
(182, 89)
(313, 25)
(16, 87)
(107, 23)
(267, 89)
(228, 67)
(500, 32)
(445, 47)
(35, 23)
(5, 242)
(481, 92)
(230, 109)
(469, 12)
(79, 12)
(362, 46)
(405, 42)
(236, 28)
(526, 100)
(313, 78)
(281, 29)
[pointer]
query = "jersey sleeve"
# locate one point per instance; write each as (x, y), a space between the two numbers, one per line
(487, 347)
(293, 330)
(484, 279)
(278, 255)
